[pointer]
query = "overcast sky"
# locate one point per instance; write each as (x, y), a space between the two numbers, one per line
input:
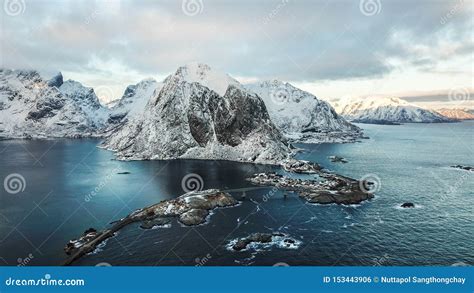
(333, 49)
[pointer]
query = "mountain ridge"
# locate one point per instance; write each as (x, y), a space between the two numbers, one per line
(386, 110)
(301, 116)
(189, 118)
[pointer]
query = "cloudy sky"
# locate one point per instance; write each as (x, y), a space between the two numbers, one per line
(333, 49)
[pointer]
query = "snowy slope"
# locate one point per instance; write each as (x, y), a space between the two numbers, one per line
(134, 99)
(112, 103)
(383, 110)
(301, 116)
(457, 114)
(201, 113)
(31, 107)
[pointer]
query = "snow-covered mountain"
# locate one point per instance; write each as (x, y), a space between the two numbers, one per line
(112, 103)
(31, 107)
(457, 114)
(134, 99)
(201, 113)
(386, 110)
(301, 116)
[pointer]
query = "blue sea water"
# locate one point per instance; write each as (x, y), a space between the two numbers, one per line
(71, 185)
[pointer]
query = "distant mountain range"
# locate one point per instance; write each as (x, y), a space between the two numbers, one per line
(457, 114)
(196, 112)
(380, 110)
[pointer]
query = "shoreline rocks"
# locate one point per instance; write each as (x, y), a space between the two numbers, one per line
(87, 236)
(157, 222)
(332, 189)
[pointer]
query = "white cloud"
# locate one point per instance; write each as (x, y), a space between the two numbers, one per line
(330, 49)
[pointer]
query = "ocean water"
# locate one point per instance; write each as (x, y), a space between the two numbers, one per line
(71, 185)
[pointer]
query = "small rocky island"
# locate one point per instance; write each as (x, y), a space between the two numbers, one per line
(333, 188)
(301, 167)
(337, 159)
(191, 209)
(258, 240)
(461, 167)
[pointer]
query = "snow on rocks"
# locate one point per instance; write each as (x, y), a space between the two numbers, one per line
(134, 100)
(332, 189)
(261, 241)
(31, 107)
(381, 110)
(301, 116)
(200, 113)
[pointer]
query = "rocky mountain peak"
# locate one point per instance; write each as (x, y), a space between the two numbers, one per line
(56, 81)
(205, 75)
(301, 116)
(192, 118)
